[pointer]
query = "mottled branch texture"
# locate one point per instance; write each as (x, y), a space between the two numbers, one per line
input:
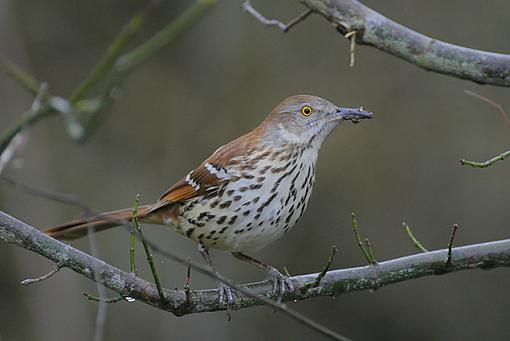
(335, 282)
(376, 30)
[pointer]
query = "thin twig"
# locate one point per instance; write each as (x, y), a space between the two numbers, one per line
(487, 163)
(415, 241)
(132, 238)
(365, 247)
(370, 252)
(29, 281)
(19, 75)
(358, 237)
(273, 22)
(498, 106)
(132, 269)
(326, 267)
(102, 299)
(287, 273)
(187, 283)
(352, 37)
(147, 249)
(455, 227)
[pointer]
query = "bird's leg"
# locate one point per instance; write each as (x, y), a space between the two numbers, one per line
(280, 282)
(223, 289)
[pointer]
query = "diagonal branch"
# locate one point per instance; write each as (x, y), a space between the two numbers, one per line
(335, 282)
(376, 30)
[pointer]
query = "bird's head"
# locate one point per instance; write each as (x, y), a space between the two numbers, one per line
(303, 119)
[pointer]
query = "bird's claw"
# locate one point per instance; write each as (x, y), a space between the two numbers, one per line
(281, 283)
(226, 297)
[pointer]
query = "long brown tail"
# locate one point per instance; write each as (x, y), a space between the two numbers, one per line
(80, 227)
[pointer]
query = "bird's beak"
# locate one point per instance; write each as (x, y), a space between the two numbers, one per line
(354, 115)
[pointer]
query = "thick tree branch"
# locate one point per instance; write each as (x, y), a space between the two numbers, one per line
(335, 282)
(430, 54)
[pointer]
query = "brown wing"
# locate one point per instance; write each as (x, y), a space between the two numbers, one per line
(202, 180)
(210, 175)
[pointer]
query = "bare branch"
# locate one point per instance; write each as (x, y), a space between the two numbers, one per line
(335, 282)
(376, 30)
(273, 22)
(29, 281)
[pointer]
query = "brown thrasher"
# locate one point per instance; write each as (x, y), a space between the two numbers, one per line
(248, 193)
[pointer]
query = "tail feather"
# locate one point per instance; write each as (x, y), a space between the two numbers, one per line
(80, 227)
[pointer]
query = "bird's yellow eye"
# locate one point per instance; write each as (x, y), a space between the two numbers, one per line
(306, 110)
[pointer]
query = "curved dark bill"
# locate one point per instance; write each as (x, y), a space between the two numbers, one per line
(353, 114)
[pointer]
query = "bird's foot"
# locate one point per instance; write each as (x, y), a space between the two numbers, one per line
(281, 283)
(226, 297)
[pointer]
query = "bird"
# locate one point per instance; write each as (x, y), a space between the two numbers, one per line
(248, 193)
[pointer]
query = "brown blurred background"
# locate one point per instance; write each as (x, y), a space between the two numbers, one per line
(218, 81)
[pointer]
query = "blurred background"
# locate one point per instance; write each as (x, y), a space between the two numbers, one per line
(219, 80)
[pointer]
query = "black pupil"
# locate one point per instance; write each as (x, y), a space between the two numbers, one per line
(307, 111)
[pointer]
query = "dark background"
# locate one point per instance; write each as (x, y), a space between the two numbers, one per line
(219, 80)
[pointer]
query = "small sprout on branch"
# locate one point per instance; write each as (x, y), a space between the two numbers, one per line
(321, 275)
(187, 284)
(455, 227)
(366, 248)
(352, 37)
(287, 273)
(147, 249)
(487, 163)
(104, 300)
(326, 267)
(272, 22)
(370, 252)
(43, 277)
(132, 238)
(415, 241)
